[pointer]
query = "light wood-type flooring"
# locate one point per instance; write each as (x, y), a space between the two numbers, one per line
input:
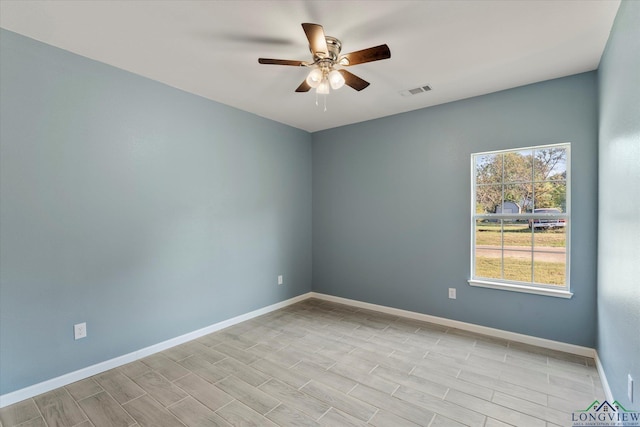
(317, 363)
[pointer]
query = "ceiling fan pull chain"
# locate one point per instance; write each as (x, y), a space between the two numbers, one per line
(316, 98)
(325, 103)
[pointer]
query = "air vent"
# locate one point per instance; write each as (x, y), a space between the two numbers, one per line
(415, 91)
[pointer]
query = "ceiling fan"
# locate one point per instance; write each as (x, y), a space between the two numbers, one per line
(326, 55)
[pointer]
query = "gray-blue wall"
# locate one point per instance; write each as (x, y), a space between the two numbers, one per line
(391, 206)
(143, 210)
(619, 208)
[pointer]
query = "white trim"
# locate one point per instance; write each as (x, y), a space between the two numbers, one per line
(603, 379)
(71, 377)
(484, 330)
(558, 293)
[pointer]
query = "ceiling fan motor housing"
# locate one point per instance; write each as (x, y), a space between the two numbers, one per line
(334, 46)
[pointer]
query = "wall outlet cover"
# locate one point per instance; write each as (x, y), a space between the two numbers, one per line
(80, 330)
(452, 293)
(280, 280)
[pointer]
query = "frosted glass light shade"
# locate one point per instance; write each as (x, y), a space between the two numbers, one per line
(323, 87)
(336, 80)
(315, 77)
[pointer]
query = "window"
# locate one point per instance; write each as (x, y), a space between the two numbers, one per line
(521, 220)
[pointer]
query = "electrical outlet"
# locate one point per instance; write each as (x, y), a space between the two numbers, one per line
(280, 280)
(630, 388)
(80, 330)
(452, 293)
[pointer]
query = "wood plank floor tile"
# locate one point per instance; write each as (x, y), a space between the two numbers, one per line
(451, 382)
(253, 397)
(194, 414)
(386, 419)
(134, 369)
(149, 413)
(401, 408)
(415, 382)
(440, 421)
(283, 357)
(59, 409)
(284, 415)
(493, 410)
(539, 411)
(104, 411)
(203, 368)
(206, 393)
(84, 388)
(288, 376)
(326, 377)
(185, 350)
(236, 353)
(495, 423)
(362, 376)
(19, 413)
(354, 407)
(245, 372)
(160, 388)
(210, 340)
(165, 366)
(241, 341)
(238, 414)
(38, 422)
(447, 409)
(432, 364)
(311, 406)
(119, 386)
(335, 418)
(502, 386)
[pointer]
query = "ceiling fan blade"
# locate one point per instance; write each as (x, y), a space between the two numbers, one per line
(317, 40)
(304, 87)
(354, 81)
(365, 55)
(281, 62)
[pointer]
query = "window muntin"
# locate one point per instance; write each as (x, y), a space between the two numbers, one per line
(521, 219)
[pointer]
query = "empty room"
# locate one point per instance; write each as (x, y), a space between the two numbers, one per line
(319, 213)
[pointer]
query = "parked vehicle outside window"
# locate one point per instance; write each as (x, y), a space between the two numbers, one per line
(547, 223)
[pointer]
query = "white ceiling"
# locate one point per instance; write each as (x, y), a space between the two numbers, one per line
(461, 48)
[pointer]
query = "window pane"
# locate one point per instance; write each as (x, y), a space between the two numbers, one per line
(517, 265)
(487, 198)
(549, 239)
(517, 197)
(550, 256)
(488, 249)
(550, 164)
(489, 169)
(517, 235)
(550, 268)
(550, 195)
(518, 166)
(548, 229)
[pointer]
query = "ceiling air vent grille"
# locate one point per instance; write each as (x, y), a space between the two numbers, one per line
(415, 91)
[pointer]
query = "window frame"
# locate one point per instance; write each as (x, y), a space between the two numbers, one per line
(512, 285)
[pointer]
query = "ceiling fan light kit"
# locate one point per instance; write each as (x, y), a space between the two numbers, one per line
(325, 74)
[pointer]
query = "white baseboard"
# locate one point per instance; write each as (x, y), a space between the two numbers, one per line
(603, 380)
(45, 386)
(484, 330)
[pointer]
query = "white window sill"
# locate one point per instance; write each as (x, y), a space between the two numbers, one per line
(521, 288)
